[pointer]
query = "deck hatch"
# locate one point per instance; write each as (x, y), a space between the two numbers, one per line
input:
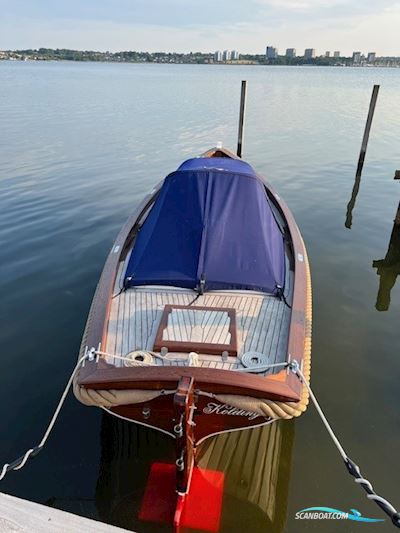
(207, 330)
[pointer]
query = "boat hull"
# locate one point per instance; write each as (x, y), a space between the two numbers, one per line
(233, 394)
(210, 417)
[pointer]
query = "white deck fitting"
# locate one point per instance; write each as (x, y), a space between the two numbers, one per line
(262, 322)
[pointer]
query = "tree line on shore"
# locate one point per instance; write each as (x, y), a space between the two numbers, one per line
(63, 54)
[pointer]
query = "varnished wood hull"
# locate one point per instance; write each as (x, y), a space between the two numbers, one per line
(211, 415)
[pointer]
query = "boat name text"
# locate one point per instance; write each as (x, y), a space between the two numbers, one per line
(224, 409)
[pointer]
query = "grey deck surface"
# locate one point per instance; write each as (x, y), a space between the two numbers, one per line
(262, 323)
(25, 516)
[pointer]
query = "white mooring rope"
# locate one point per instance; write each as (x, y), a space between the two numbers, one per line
(352, 467)
(21, 461)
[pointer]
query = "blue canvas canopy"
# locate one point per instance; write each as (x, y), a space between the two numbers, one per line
(211, 227)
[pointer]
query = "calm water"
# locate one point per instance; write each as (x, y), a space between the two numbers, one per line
(80, 145)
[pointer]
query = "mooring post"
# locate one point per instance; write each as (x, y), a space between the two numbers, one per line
(364, 143)
(241, 117)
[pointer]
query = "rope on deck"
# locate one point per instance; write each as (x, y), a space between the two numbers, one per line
(272, 408)
(112, 398)
(351, 466)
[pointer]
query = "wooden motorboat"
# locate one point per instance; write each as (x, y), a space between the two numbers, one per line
(204, 299)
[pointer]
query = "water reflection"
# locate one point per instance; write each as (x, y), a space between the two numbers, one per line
(79, 506)
(127, 452)
(354, 193)
(388, 268)
(256, 465)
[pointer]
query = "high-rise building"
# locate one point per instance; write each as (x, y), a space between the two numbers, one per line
(327, 54)
(371, 57)
(356, 57)
(234, 54)
(226, 55)
(290, 52)
(309, 53)
(218, 55)
(271, 52)
(336, 53)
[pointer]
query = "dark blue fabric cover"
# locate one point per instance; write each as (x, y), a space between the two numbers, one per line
(218, 163)
(211, 223)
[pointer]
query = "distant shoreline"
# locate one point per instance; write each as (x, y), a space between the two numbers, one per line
(192, 58)
(216, 65)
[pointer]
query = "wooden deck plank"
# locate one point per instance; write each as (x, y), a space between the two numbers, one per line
(262, 322)
(112, 327)
(277, 332)
(21, 515)
(256, 327)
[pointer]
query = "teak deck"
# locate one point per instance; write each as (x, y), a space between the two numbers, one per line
(121, 323)
(261, 324)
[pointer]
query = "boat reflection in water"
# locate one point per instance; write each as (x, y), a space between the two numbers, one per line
(256, 464)
(389, 268)
(127, 452)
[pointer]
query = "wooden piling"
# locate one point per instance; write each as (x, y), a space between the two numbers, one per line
(241, 117)
(364, 144)
(368, 124)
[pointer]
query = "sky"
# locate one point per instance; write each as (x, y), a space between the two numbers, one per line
(202, 25)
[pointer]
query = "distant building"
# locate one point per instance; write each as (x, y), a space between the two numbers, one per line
(226, 55)
(271, 52)
(327, 54)
(356, 57)
(235, 55)
(290, 52)
(336, 54)
(309, 53)
(218, 55)
(371, 57)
